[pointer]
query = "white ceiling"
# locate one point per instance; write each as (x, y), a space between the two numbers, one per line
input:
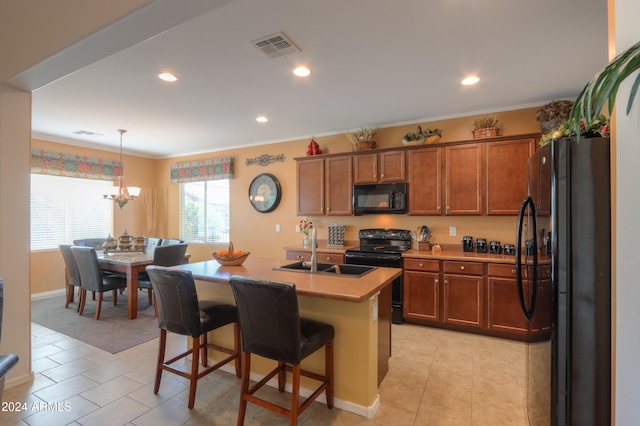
(373, 62)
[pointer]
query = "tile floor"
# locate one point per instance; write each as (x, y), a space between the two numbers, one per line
(436, 377)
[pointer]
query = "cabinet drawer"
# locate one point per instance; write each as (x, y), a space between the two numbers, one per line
(298, 255)
(501, 270)
(466, 268)
(544, 271)
(322, 257)
(330, 257)
(422, 265)
(509, 271)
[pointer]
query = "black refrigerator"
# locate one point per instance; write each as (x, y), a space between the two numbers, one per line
(566, 222)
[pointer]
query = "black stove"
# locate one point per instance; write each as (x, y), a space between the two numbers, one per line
(383, 247)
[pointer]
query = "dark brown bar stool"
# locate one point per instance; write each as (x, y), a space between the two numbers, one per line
(272, 328)
(180, 312)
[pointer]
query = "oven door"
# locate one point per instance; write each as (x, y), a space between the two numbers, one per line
(386, 261)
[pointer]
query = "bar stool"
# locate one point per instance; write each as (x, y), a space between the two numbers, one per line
(272, 328)
(180, 312)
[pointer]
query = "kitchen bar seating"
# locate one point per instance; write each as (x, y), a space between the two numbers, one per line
(272, 328)
(180, 312)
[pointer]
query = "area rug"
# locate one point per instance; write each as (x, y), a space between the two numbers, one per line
(113, 332)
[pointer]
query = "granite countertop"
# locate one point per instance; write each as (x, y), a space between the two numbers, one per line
(314, 285)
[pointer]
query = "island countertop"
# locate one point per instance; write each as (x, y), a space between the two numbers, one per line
(347, 289)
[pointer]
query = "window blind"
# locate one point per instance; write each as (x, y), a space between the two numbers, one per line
(64, 209)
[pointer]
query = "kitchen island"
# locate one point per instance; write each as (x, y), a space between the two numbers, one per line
(358, 308)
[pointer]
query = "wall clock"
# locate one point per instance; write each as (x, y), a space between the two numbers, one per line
(265, 193)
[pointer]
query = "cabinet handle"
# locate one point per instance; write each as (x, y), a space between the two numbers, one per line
(420, 265)
(446, 282)
(328, 258)
(436, 281)
(299, 256)
(513, 271)
(462, 268)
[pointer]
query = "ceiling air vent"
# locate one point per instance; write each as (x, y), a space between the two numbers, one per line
(276, 45)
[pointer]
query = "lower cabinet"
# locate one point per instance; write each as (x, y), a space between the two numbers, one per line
(477, 297)
(421, 295)
(463, 293)
(504, 313)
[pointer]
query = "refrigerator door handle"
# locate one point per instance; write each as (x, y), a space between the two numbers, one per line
(527, 311)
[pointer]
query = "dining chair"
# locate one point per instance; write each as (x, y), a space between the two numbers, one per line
(96, 243)
(162, 256)
(92, 278)
(150, 245)
(272, 328)
(170, 241)
(71, 274)
(181, 312)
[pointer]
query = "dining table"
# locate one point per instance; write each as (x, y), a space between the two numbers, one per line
(131, 264)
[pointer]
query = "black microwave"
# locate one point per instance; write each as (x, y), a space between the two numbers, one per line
(380, 198)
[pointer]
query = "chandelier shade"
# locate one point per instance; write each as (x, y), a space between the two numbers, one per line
(124, 194)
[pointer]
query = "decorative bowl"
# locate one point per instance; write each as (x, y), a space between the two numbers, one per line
(230, 257)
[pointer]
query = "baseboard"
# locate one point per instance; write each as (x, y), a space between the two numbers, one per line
(48, 294)
(360, 410)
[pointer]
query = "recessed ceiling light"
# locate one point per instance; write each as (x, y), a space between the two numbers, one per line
(468, 81)
(166, 76)
(302, 71)
(262, 119)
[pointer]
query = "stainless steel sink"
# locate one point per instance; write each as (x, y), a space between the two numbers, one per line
(350, 271)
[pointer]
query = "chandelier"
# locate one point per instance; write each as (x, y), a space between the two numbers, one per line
(124, 193)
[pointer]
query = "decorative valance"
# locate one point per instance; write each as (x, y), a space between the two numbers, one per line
(70, 165)
(194, 171)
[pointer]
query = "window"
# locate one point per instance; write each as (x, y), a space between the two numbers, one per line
(204, 211)
(64, 209)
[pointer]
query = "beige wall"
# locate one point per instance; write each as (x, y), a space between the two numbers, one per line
(255, 232)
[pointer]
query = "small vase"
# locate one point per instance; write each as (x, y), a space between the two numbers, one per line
(306, 241)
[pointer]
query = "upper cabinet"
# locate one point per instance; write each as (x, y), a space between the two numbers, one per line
(506, 171)
(463, 179)
(388, 166)
(310, 186)
(425, 181)
(324, 186)
(339, 185)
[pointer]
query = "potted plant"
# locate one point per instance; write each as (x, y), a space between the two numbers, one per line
(603, 87)
(422, 136)
(553, 114)
(485, 127)
(363, 139)
(598, 126)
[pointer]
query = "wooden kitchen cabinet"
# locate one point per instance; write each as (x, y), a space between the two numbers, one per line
(421, 290)
(339, 186)
(324, 186)
(506, 172)
(504, 313)
(387, 166)
(463, 179)
(310, 187)
(425, 175)
(463, 294)
(305, 256)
